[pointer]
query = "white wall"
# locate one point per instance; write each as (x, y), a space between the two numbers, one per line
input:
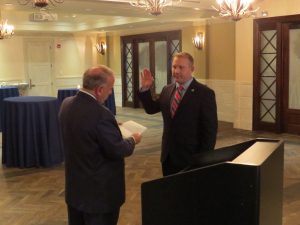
(72, 55)
(118, 90)
(225, 97)
(12, 60)
(75, 55)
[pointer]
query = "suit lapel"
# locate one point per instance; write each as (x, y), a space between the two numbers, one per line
(169, 94)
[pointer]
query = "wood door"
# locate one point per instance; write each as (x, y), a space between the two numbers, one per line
(266, 77)
(291, 78)
(38, 58)
(276, 77)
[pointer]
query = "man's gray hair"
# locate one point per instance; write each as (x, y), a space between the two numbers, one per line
(96, 76)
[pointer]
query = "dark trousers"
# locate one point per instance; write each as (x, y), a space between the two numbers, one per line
(77, 217)
(169, 168)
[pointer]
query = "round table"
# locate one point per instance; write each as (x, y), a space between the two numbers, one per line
(66, 92)
(31, 133)
(5, 92)
(110, 103)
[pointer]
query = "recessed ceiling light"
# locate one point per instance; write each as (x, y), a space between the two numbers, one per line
(197, 9)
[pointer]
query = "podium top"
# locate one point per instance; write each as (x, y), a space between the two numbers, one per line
(257, 153)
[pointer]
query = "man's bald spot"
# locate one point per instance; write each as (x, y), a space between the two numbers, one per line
(96, 76)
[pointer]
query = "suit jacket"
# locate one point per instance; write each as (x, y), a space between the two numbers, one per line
(193, 129)
(94, 155)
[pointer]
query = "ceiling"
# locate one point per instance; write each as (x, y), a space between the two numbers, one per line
(102, 15)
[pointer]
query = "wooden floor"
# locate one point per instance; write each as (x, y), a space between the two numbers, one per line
(35, 196)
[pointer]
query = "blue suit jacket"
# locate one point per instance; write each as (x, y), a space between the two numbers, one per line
(94, 155)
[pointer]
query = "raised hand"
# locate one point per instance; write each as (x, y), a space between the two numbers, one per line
(146, 79)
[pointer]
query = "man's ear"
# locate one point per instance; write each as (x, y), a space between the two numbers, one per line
(98, 91)
(192, 68)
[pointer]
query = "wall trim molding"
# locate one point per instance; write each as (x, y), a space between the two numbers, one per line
(15, 79)
(234, 101)
(243, 105)
(68, 77)
(224, 91)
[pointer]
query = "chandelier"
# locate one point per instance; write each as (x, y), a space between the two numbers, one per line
(235, 9)
(40, 3)
(6, 30)
(154, 7)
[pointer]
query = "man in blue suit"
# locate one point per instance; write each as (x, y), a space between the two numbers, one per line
(189, 115)
(94, 152)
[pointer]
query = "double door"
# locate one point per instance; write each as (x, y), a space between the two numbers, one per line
(153, 51)
(276, 92)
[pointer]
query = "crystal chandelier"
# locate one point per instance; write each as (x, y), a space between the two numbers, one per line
(40, 3)
(235, 9)
(6, 30)
(154, 7)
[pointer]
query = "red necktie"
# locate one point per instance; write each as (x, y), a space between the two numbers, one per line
(176, 100)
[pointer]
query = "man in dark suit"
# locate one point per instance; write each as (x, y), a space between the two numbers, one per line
(94, 152)
(189, 114)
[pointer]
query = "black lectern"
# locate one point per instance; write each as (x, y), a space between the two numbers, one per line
(236, 185)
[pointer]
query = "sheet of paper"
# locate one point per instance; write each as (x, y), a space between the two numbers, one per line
(129, 127)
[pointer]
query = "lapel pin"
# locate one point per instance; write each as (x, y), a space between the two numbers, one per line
(192, 90)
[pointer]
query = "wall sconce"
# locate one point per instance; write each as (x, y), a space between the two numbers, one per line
(6, 30)
(101, 47)
(264, 13)
(198, 40)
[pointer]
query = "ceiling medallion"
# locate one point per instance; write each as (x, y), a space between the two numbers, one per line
(154, 7)
(40, 3)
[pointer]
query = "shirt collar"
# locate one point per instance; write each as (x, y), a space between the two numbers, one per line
(88, 94)
(186, 84)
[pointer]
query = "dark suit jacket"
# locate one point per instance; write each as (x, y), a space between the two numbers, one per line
(194, 126)
(94, 155)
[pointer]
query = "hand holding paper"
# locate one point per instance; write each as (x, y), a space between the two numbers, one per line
(130, 127)
(137, 137)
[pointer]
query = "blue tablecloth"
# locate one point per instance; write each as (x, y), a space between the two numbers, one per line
(31, 135)
(6, 92)
(110, 103)
(63, 93)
